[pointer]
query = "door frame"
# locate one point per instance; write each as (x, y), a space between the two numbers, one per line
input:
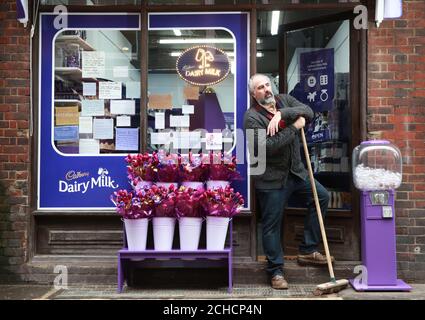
(358, 93)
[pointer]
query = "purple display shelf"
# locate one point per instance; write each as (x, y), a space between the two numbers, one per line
(208, 256)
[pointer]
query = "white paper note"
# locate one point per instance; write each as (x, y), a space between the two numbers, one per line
(213, 141)
(89, 88)
(188, 109)
(159, 120)
(89, 146)
(179, 121)
(126, 139)
(132, 90)
(160, 137)
(92, 107)
(195, 140)
(93, 64)
(103, 128)
(123, 107)
(181, 140)
(123, 121)
(187, 140)
(109, 90)
(120, 72)
(86, 125)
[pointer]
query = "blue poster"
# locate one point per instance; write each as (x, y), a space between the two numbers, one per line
(316, 89)
(66, 133)
(317, 79)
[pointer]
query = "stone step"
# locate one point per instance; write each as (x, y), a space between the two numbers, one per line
(255, 272)
(103, 270)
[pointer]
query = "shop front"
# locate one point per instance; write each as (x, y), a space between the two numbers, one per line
(109, 81)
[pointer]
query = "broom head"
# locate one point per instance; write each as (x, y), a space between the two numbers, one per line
(330, 287)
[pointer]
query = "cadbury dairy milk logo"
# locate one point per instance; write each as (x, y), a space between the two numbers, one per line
(73, 183)
(73, 175)
(203, 65)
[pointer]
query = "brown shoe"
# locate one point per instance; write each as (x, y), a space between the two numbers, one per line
(279, 282)
(315, 258)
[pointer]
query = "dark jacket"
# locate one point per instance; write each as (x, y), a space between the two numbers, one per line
(283, 149)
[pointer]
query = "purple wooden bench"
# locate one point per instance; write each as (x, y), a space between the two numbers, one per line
(126, 257)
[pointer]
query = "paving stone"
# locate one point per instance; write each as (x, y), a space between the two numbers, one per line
(240, 292)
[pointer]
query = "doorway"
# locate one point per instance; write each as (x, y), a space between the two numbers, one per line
(311, 57)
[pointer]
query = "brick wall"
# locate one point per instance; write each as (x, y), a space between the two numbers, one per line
(14, 143)
(396, 111)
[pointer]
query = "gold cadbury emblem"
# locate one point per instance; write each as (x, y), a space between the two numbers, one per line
(204, 56)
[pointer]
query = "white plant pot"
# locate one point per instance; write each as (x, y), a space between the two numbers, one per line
(193, 184)
(167, 184)
(141, 185)
(216, 232)
(136, 231)
(190, 232)
(215, 184)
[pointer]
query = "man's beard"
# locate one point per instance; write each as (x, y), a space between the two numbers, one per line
(267, 101)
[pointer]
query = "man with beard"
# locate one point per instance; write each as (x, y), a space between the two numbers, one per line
(278, 150)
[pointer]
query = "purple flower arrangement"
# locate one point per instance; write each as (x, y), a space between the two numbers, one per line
(187, 203)
(164, 201)
(155, 201)
(192, 168)
(141, 167)
(222, 167)
(130, 205)
(222, 202)
(168, 167)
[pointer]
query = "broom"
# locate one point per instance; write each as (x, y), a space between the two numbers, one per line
(333, 285)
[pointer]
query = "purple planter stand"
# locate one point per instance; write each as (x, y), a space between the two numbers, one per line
(378, 247)
(125, 257)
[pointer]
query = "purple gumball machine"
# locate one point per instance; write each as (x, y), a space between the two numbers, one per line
(377, 172)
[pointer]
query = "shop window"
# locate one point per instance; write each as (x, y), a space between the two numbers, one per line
(191, 90)
(96, 92)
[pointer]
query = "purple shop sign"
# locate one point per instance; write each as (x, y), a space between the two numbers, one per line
(317, 79)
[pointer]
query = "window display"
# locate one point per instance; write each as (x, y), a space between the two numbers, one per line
(191, 91)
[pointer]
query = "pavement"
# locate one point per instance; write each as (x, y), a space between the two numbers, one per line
(240, 292)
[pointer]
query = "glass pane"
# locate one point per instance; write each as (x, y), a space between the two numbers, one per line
(318, 74)
(97, 92)
(191, 88)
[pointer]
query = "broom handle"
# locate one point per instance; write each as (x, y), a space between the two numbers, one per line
(316, 201)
